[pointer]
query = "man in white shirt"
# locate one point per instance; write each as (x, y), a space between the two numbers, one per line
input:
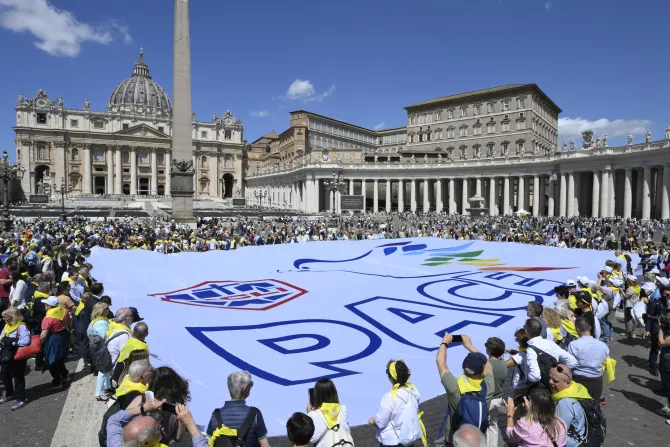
(535, 343)
(124, 317)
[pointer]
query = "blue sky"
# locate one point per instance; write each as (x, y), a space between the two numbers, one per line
(604, 62)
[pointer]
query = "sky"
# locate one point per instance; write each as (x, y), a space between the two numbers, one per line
(604, 62)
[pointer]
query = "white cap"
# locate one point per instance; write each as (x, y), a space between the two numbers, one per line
(571, 282)
(616, 282)
(654, 270)
(51, 301)
(607, 269)
(583, 280)
(663, 281)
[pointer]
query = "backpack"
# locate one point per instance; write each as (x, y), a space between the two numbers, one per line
(545, 362)
(335, 436)
(242, 432)
(100, 357)
(595, 424)
(111, 411)
(410, 428)
(472, 409)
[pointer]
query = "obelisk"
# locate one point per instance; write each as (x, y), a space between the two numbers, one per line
(181, 169)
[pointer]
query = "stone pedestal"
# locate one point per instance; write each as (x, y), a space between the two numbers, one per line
(182, 196)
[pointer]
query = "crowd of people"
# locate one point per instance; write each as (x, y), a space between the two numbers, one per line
(51, 303)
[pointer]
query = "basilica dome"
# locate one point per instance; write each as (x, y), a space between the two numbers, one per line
(140, 93)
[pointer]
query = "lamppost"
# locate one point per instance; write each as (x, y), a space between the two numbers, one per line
(62, 191)
(260, 195)
(335, 185)
(8, 172)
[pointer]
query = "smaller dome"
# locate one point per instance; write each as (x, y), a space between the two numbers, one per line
(139, 90)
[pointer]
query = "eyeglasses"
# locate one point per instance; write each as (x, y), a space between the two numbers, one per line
(560, 370)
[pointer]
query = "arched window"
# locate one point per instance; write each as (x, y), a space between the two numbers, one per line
(75, 154)
(203, 162)
(228, 163)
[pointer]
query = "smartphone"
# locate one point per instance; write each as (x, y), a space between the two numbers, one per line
(170, 408)
(310, 393)
(456, 339)
(518, 401)
(512, 351)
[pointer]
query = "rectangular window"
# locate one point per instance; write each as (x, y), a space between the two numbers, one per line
(98, 125)
(126, 170)
(411, 120)
(490, 108)
(451, 133)
(464, 112)
(450, 114)
(227, 134)
(420, 137)
(521, 125)
(203, 134)
(505, 106)
(477, 110)
(521, 147)
(422, 119)
(478, 130)
(428, 136)
(438, 116)
(505, 127)
(411, 138)
(521, 103)
(161, 129)
(74, 123)
(125, 126)
(464, 131)
(394, 139)
(490, 128)
(505, 147)
(429, 118)
(41, 118)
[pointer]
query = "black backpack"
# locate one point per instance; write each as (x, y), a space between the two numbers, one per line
(545, 362)
(100, 357)
(242, 432)
(595, 424)
(115, 408)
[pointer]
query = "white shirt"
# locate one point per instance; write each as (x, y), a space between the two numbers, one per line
(389, 415)
(114, 347)
(16, 295)
(551, 348)
(320, 426)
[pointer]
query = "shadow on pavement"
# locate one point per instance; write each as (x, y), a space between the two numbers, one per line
(634, 360)
(645, 402)
(645, 382)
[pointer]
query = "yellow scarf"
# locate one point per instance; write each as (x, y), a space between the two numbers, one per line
(394, 393)
(331, 413)
(57, 312)
(636, 289)
(115, 327)
(38, 294)
(24, 274)
(572, 300)
(574, 391)
(469, 385)
(522, 349)
(556, 332)
(222, 431)
(10, 328)
(79, 308)
(131, 345)
(71, 281)
(127, 386)
(569, 327)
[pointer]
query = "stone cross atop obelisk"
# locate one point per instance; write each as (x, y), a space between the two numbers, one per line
(181, 169)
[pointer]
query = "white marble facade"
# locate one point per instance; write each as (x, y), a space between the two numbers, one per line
(125, 150)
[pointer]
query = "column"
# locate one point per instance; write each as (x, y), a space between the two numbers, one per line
(571, 194)
(492, 197)
(118, 172)
(478, 186)
(612, 193)
(562, 198)
(426, 196)
(438, 195)
(412, 195)
(452, 196)
(521, 194)
(506, 194)
(375, 197)
(550, 196)
(646, 199)
(628, 193)
(665, 192)
(595, 195)
(351, 187)
(133, 172)
(154, 172)
(464, 197)
(110, 170)
(86, 171)
(168, 177)
(388, 195)
(364, 196)
(536, 195)
(401, 196)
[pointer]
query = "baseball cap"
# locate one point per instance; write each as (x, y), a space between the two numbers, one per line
(474, 363)
(583, 296)
(136, 315)
(663, 281)
(632, 278)
(607, 269)
(583, 279)
(51, 301)
(616, 282)
(571, 282)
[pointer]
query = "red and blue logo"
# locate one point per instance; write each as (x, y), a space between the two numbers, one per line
(262, 294)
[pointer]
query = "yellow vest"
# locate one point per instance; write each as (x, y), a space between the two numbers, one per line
(115, 327)
(127, 386)
(131, 345)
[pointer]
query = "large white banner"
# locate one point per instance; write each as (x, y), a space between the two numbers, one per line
(291, 314)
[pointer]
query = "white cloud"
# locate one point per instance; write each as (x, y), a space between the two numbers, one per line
(301, 89)
(379, 126)
(58, 32)
(572, 128)
(259, 113)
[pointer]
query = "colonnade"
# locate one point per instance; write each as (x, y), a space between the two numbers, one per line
(641, 192)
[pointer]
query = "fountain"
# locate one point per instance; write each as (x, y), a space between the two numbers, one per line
(477, 207)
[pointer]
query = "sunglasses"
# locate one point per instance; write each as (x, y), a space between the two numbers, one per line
(562, 371)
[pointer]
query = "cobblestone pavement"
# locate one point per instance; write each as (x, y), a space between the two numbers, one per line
(631, 403)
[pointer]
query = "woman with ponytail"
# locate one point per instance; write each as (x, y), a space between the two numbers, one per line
(326, 411)
(389, 419)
